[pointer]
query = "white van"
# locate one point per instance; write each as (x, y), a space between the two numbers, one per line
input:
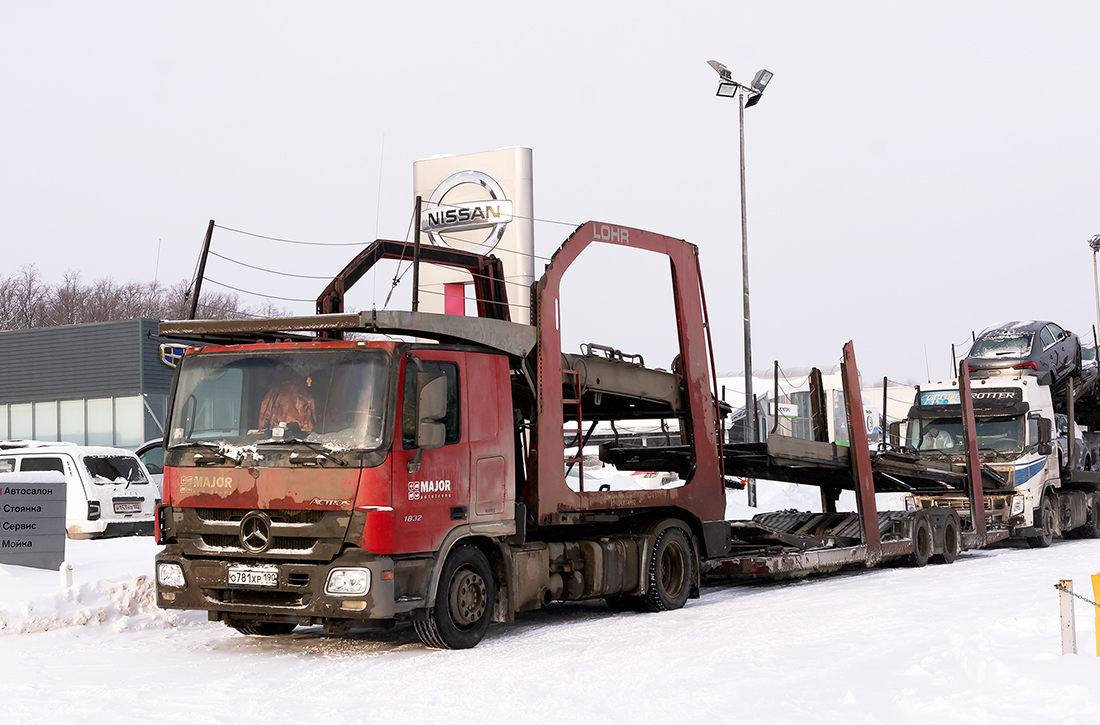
(109, 492)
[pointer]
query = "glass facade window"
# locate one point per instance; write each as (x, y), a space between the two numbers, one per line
(22, 421)
(101, 420)
(45, 421)
(129, 423)
(72, 421)
(126, 422)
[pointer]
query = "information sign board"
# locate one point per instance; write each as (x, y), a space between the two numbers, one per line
(32, 519)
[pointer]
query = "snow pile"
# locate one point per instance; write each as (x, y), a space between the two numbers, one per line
(113, 588)
(122, 606)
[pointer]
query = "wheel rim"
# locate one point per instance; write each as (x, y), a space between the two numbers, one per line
(467, 598)
(673, 566)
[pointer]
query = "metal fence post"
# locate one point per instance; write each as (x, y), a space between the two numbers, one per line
(1096, 598)
(1065, 606)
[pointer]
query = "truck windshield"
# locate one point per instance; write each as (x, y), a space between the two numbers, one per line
(1000, 435)
(336, 397)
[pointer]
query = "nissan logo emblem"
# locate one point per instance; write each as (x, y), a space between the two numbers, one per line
(494, 213)
(256, 532)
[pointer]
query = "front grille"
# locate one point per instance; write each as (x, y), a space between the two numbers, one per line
(294, 533)
(277, 517)
(279, 543)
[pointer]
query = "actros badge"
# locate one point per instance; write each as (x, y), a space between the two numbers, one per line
(466, 210)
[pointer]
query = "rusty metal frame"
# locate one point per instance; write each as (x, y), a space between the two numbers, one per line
(973, 461)
(860, 455)
(547, 495)
(487, 272)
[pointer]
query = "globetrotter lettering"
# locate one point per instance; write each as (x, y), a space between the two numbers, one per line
(419, 490)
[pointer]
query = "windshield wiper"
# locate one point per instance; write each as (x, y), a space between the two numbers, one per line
(215, 448)
(312, 445)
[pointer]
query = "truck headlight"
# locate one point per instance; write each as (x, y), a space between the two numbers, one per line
(910, 503)
(348, 581)
(1017, 506)
(170, 575)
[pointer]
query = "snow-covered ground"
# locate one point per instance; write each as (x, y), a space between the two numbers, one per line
(974, 642)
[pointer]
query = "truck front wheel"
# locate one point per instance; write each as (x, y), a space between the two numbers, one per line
(463, 603)
(670, 572)
(1045, 524)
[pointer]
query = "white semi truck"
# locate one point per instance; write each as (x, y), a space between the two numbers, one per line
(1030, 485)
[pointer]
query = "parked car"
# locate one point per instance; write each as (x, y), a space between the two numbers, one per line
(151, 454)
(1027, 347)
(108, 490)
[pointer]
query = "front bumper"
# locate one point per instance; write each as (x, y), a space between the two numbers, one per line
(299, 594)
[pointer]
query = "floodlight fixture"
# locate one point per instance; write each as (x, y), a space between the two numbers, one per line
(722, 71)
(728, 89)
(761, 79)
(1095, 243)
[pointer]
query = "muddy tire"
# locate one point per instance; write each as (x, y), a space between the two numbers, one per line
(1091, 529)
(463, 603)
(922, 541)
(951, 543)
(670, 573)
(265, 629)
(1045, 524)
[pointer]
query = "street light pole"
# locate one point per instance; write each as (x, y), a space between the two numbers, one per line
(727, 88)
(1095, 244)
(750, 400)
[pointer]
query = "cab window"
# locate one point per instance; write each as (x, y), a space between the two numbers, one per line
(42, 464)
(450, 420)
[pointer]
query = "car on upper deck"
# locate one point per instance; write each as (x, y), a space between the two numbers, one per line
(1026, 347)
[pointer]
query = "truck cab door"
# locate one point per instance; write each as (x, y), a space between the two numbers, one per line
(431, 459)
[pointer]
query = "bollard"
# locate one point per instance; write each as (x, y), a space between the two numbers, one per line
(66, 572)
(1065, 605)
(1096, 598)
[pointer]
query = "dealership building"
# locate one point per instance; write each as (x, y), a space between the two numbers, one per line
(99, 384)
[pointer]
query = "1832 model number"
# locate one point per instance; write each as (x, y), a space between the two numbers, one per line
(413, 519)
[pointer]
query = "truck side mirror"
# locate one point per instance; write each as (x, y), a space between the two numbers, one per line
(895, 434)
(431, 406)
(1044, 437)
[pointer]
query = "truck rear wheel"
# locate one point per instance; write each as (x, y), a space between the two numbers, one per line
(950, 543)
(265, 629)
(922, 541)
(670, 572)
(1045, 524)
(1091, 529)
(463, 603)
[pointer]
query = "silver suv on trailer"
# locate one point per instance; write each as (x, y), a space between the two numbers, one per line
(109, 492)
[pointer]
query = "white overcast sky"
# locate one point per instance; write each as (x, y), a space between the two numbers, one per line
(914, 173)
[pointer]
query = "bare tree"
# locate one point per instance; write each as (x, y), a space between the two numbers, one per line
(26, 301)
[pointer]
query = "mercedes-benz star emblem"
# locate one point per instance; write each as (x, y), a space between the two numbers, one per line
(255, 531)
